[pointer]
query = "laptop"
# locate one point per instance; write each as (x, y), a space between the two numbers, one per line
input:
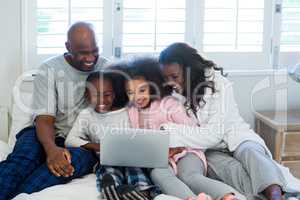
(134, 148)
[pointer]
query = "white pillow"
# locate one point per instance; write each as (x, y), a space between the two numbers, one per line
(4, 123)
(4, 150)
(21, 115)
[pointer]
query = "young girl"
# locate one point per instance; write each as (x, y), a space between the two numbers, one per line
(105, 96)
(149, 108)
(209, 98)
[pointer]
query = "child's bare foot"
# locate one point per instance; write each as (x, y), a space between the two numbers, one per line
(229, 197)
(201, 196)
(273, 192)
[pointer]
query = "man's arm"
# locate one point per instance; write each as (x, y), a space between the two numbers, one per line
(58, 159)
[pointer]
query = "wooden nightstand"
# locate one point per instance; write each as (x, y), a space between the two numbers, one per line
(281, 132)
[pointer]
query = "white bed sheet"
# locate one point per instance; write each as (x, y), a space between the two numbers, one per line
(78, 189)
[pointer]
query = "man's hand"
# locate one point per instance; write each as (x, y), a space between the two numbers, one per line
(59, 162)
(174, 151)
(58, 159)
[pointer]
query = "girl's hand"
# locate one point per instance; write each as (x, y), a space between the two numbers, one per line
(92, 146)
(174, 151)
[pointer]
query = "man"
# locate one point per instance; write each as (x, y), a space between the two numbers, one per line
(39, 158)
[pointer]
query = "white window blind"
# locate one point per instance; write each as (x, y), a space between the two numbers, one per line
(290, 26)
(235, 34)
(55, 16)
(233, 26)
(149, 26)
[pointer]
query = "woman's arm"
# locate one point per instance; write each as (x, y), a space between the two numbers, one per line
(184, 130)
(236, 130)
(192, 136)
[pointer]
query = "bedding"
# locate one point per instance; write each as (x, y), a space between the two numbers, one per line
(20, 113)
(78, 189)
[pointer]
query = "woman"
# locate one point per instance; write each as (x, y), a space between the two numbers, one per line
(208, 97)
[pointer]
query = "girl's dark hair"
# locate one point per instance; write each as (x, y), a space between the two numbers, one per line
(148, 68)
(117, 82)
(195, 67)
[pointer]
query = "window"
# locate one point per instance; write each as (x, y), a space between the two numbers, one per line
(235, 34)
(55, 16)
(290, 34)
(149, 26)
(290, 30)
(233, 26)
(47, 22)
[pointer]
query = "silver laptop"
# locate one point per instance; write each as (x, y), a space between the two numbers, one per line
(134, 148)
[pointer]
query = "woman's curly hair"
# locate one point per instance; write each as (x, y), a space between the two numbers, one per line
(195, 67)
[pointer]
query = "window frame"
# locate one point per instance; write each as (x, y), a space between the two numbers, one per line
(236, 60)
(30, 58)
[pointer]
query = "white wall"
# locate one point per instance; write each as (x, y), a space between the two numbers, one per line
(264, 99)
(10, 47)
(269, 92)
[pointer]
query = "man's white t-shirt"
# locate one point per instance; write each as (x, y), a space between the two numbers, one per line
(58, 91)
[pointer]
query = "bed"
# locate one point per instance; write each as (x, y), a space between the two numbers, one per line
(19, 116)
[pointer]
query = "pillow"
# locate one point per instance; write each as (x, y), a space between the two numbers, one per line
(21, 114)
(4, 122)
(4, 150)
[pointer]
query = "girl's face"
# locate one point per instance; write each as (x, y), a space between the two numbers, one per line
(101, 95)
(173, 74)
(138, 92)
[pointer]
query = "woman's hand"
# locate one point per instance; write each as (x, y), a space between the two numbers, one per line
(174, 151)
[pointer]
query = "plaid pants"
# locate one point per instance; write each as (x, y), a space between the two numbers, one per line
(25, 170)
(137, 177)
